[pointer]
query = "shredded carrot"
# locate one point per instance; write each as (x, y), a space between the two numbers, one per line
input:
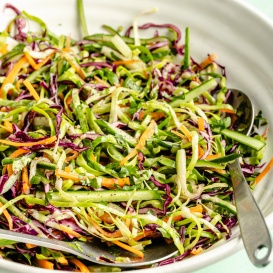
(8, 217)
(137, 252)
(18, 84)
(186, 132)
(105, 217)
(79, 264)
(128, 223)
(125, 62)
(226, 110)
(15, 154)
(45, 264)
(75, 65)
(143, 234)
(198, 208)
(8, 126)
(45, 155)
(73, 156)
(114, 234)
(4, 170)
(214, 156)
(67, 169)
(4, 49)
(111, 183)
(201, 124)
(200, 151)
(155, 115)
(68, 175)
(31, 89)
(210, 59)
(30, 60)
(219, 171)
(197, 251)
(35, 65)
(175, 218)
(265, 171)
(44, 61)
(70, 231)
(178, 134)
(146, 135)
(29, 246)
(29, 144)
(25, 180)
(13, 73)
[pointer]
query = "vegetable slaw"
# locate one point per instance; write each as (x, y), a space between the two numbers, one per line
(117, 138)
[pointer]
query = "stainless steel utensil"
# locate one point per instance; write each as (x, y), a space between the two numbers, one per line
(254, 231)
(97, 251)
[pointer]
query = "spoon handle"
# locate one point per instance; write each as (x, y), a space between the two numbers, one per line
(254, 231)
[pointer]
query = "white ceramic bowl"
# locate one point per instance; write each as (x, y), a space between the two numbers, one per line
(242, 38)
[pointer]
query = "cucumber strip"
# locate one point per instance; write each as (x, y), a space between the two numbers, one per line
(225, 159)
(207, 164)
(195, 92)
(251, 142)
(104, 196)
(105, 126)
(222, 203)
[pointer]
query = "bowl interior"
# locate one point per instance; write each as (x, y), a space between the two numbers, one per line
(236, 32)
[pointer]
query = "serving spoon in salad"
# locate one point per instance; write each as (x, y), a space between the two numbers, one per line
(97, 251)
(254, 231)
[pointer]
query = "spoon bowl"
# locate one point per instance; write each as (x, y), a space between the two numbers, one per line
(98, 252)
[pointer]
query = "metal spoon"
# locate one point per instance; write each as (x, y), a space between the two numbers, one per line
(254, 231)
(97, 251)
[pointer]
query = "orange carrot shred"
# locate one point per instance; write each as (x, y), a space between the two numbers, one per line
(44, 61)
(8, 217)
(25, 180)
(148, 133)
(79, 264)
(114, 234)
(186, 132)
(13, 73)
(29, 246)
(214, 156)
(29, 144)
(45, 264)
(201, 124)
(4, 49)
(226, 110)
(125, 62)
(70, 231)
(31, 89)
(30, 60)
(197, 208)
(265, 171)
(210, 59)
(15, 154)
(73, 156)
(178, 134)
(8, 126)
(143, 234)
(135, 251)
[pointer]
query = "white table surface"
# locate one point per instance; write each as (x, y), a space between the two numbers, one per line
(239, 262)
